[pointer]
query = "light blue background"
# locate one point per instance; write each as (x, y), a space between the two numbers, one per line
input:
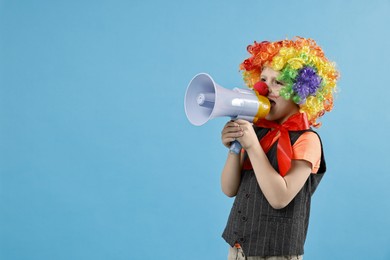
(98, 160)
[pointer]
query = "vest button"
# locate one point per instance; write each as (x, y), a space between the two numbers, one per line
(239, 212)
(247, 195)
(244, 218)
(242, 240)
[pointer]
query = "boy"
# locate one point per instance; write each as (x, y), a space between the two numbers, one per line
(273, 180)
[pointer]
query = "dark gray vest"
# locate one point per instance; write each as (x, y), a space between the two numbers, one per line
(262, 230)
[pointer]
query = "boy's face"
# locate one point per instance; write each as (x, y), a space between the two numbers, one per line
(281, 109)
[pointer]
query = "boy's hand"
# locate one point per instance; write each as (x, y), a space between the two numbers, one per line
(231, 132)
(248, 137)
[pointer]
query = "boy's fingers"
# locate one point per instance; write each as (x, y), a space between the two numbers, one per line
(241, 121)
(231, 130)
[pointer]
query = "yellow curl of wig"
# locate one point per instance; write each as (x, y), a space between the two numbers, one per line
(289, 57)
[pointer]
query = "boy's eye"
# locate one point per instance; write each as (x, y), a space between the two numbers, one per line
(263, 79)
(279, 83)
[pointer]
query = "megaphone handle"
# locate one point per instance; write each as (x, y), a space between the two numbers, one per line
(235, 147)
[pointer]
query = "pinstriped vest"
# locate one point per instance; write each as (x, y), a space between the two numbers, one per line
(262, 230)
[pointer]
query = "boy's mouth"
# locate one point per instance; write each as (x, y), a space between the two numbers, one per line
(272, 102)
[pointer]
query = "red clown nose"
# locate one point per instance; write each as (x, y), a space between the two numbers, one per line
(261, 87)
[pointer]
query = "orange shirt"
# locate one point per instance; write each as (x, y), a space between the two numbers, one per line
(308, 148)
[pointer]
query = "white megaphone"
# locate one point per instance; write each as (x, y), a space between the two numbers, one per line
(205, 100)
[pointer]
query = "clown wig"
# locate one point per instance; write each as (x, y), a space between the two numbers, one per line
(309, 77)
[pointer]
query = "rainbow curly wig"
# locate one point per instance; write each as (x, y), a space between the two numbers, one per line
(309, 77)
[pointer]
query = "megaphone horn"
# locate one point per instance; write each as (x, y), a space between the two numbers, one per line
(205, 99)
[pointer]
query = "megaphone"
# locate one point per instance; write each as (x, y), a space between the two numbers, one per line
(205, 100)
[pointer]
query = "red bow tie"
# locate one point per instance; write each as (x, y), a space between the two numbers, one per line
(295, 122)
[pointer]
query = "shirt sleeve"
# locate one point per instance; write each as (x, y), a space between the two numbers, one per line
(308, 148)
